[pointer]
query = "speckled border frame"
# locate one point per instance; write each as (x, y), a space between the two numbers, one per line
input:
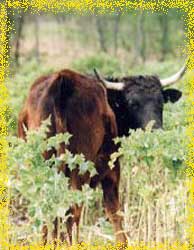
(81, 7)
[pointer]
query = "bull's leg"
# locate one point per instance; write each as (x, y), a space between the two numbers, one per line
(74, 212)
(110, 185)
(44, 234)
(56, 234)
(73, 222)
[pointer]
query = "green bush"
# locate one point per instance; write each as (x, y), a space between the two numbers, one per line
(38, 181)
(152, 173)
(104, 63)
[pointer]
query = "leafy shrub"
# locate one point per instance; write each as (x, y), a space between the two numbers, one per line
(38, 181)
(103, 62)
(174, 115)
(152, 166)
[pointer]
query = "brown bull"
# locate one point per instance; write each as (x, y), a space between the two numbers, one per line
(78, 105)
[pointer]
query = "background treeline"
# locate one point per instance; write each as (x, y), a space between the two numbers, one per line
(134, 37)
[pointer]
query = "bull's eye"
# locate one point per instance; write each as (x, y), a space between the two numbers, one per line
(134, 104)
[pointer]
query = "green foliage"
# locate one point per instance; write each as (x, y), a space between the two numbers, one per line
(38, 181)
(175, 115)
(152, 173)
(149, 151)
(102, 62)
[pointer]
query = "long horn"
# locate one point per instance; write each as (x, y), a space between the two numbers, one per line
(174, 78)
(109, 85)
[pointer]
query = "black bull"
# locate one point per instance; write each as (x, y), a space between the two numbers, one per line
(140, 102)
(137, 100)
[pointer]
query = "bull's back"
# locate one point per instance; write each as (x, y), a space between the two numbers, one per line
(76, 104)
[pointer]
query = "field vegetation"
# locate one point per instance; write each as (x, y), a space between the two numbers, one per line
(153, 183)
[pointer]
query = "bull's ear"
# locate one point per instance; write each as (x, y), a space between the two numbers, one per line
(171, 95)
(61, 89)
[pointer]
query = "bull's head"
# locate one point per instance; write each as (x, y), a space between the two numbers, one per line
(143, 97)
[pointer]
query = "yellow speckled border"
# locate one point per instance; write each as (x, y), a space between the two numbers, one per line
(82, 6)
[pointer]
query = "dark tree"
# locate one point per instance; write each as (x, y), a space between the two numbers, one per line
(19, 28)
(116, 31)
(37, 42)
(165, 43)
(140, 41)
(100, 25)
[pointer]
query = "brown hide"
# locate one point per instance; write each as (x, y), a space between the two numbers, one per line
(78, 105)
